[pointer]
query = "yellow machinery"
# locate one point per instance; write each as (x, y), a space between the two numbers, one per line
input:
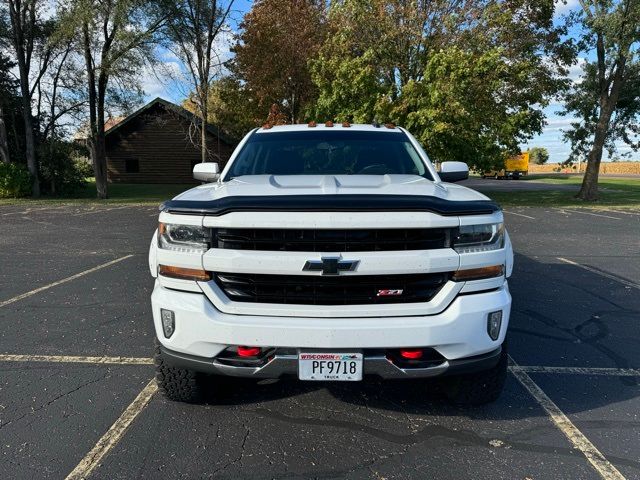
(514, 167)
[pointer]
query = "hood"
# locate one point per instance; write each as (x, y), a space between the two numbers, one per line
(274, 185)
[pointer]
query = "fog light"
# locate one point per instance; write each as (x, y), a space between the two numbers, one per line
(494, 322)
(168, 322)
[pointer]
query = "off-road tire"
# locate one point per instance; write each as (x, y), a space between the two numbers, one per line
(178, 384)
(480, 387)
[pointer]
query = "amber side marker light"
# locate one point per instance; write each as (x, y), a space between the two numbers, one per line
(184, 273)
(478, 273)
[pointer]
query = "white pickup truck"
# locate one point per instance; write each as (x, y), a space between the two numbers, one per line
(331, 252)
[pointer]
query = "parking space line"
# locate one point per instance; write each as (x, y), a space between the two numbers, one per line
(589, 213)
(64, 280)
(519, 214)
(100, 210)
(30, 210)
(607, 372)
(605, 468)
(114, 434)
(634, 213)
(77, 359)
(598, 272)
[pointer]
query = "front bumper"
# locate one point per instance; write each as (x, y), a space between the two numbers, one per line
(457, 332)
(374, 364)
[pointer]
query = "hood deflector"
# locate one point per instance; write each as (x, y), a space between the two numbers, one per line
(331, 203)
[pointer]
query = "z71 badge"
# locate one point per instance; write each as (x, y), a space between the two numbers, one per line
(389, 293)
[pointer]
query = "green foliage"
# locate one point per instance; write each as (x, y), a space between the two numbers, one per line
(608, 84)
(15, 180)
(538, 155)
(468, 79)
(62, 172)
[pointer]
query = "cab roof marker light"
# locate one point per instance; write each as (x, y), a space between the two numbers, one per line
(390, 125)
(312, 124)
(329, 123)
(346, 124)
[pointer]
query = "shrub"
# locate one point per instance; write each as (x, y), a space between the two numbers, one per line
(61, 172)
(15, 180)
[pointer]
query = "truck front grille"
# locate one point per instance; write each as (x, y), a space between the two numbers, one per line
(326, 290)
(361, 240)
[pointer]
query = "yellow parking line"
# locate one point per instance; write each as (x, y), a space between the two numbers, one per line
(605, 468)
(602, 274)
(564, 210)
(100, 210)
(114, 434)
(64, 280)
(77, 359)
(519, 214)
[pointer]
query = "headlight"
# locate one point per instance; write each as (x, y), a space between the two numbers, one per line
(479, 238)
(183, 238)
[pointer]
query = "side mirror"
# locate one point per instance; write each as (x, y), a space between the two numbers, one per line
(206, 172)
(453, 171)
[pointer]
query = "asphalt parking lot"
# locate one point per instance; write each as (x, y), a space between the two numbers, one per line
(77, 397)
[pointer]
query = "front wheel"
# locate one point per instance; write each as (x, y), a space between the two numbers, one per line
(480, 387)
(178, 384)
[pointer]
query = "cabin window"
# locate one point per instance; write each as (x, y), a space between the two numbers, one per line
(132, 165)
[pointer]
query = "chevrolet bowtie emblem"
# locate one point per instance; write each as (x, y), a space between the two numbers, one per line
(331, 265)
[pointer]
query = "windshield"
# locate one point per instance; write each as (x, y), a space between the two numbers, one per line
(328, 153)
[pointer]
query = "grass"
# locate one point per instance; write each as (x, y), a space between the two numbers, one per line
(133, 194)
(613, 192)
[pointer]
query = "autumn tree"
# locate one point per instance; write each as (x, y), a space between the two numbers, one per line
(193, 31)
(272, 52)
(607, 99)
(231, 107)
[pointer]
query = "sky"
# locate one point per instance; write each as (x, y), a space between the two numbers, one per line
(550, 138)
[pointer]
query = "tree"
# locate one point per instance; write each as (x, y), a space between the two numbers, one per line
(273, 50)
(28, 33)
(607, 100)
(8, 97)
(538, 155)
(468, 78)
(193, 30)
(116, 38)
(231, 107)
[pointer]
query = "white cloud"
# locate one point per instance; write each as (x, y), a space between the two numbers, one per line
(576, 70)
(565, 6)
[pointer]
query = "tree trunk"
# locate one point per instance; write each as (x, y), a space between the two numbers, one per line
(30, 145)
(95, 138)
(23, 68)
(4, 144)
(203, 133)
(100, 158)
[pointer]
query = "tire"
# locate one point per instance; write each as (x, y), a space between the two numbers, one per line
(478, 388)
(496, 177)
(177, 384)
(483, 176)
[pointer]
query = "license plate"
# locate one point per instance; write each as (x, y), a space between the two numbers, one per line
(338, 367)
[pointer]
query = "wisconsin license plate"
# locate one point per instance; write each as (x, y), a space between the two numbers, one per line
(339, 367)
